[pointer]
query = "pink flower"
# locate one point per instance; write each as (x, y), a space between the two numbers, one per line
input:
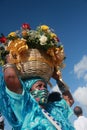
(37, 99)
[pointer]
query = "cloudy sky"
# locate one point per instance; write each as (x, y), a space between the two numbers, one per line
(68, 18)
(80, 69)
(80, 92)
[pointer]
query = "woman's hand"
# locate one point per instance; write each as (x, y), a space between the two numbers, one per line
(56, 75)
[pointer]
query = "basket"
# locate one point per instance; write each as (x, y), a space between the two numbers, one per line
(37, 63)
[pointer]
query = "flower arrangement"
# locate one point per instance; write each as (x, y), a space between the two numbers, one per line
(43, 38)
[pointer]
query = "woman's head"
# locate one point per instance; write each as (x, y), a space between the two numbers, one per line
(38, 89)
(39, 85)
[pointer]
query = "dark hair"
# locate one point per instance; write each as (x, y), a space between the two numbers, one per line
(2, 125)
(1, 122)
(54, 96)
(78, 111)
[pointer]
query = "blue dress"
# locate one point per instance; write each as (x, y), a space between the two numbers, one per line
(23, 112)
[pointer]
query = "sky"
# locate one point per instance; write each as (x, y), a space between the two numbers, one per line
(68, 18)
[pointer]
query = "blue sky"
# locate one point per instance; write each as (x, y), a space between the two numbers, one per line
(69, 20)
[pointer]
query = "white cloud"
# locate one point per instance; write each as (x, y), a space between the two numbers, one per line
(85, 77)
(80, 95)
(80, 68)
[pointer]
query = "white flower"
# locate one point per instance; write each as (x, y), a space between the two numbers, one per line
(43, 40)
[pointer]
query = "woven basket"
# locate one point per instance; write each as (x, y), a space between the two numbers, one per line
(37, 64)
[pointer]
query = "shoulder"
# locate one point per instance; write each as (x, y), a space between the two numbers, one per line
(80, 120)
(84, 118)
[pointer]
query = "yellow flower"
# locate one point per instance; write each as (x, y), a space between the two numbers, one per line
(53, 35)
(44, 27)
(13, 34)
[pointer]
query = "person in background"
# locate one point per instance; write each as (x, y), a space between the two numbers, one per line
(68, 97)
(81, 122)
(54, 96)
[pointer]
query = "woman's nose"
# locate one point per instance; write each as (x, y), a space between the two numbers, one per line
(42, 87)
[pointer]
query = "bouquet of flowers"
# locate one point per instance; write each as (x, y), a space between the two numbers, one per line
(19, 43)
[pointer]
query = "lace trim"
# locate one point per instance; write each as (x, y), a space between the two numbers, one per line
(51, 119)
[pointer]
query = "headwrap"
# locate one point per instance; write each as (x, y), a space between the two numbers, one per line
(30, 82)
(40, 95)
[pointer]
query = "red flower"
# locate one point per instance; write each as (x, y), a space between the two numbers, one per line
(3, 39)
(58, 39)
(25, 26)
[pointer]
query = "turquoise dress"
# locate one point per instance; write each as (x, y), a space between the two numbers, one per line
(23, 112)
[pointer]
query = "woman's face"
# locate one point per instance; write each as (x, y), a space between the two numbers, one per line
(39, 92)
(39, 85)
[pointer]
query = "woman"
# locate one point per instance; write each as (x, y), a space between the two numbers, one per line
(23, 111)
